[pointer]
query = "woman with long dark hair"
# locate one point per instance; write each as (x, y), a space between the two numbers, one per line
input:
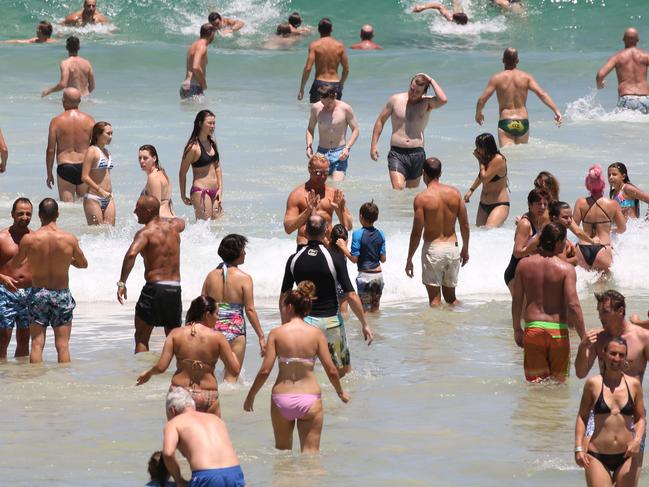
(98, 203)
(197, 348)
(202, 154)
(494, 197)
(157, 181)
(626, 194)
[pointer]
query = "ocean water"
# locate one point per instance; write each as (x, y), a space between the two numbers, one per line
(439, 398)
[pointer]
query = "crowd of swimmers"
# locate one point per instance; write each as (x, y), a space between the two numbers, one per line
(610, 426)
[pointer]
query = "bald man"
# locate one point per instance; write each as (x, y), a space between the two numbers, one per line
(159, 243)
(367, 34)
(512, 86)
(68, 140)
(87, 15)
(631, 68)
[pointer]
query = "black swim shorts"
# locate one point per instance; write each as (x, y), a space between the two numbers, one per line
(70, 172)
(160, 305)
(409, 162)
(314, 95)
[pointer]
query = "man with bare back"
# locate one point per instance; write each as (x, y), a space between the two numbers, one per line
(68, 139)
(315, 197)
(87, 15)
(327, 53)
(76, 72)
(332, 117)
(195, 82)
(409, 114)
(631, 68)
(512, 86)
(49, 252)
(160, 301)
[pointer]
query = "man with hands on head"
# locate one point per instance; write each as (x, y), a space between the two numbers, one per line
(408, 112)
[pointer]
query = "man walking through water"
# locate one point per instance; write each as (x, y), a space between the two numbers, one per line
(408, 112)
(437, 209)
(545, 285)
(195, 82)
(160, 302)
(50, 252)
(511, 87)
(76, 72)
(327, 53)
(68, 140)
(631, 68)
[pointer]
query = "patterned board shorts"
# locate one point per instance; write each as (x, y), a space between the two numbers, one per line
(51, 307)
(14, 308)
(334, 329)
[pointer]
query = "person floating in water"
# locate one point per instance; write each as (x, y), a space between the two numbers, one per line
(457, 15)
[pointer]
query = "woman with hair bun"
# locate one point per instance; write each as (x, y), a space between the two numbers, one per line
(596, 213)
(197, 348)
(296, 393)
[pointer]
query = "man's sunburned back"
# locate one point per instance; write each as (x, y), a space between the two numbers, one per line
(637, 339)
(441, 205)
(328, 55)
(162, 251)
(79, 70)
(8, 249)
(409, 120)
(631, 69)
(49, 253)
(73, 129)
(512, 87)
(543, 280)
(204, 441)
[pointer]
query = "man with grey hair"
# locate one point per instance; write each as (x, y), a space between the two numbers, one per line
(203, 440)
(313, 262)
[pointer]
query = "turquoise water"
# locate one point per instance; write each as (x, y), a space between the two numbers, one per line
(439, 399)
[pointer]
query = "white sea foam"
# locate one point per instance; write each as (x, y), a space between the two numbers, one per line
(588, 108)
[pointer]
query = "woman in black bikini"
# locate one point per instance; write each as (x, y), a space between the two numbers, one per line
(494, 198)
(611, 455)
(596, 213)
(201, 153)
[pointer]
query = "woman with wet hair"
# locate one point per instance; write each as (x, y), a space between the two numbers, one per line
(627, 195)
(296, 396)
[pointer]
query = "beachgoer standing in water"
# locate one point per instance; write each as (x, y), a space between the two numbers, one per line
(49, 252)
(68, 139)
(512, 86)
(437, 210)
(409, 114)
(630, 65)
(545, 285)
(326, 53)
(160, 301)
(195, 82)
(366, 44)
(76, 72)
(15, 283)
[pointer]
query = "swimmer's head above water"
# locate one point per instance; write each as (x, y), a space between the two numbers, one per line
(283, 30)
(295, 20)
(460, 18)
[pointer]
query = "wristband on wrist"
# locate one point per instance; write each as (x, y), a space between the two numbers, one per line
(121, 284)
(579, 449)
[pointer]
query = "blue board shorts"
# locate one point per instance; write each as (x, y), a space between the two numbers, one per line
(14, 308)
(218, 477)
(51, 307)
(333, 156)
(639, 103)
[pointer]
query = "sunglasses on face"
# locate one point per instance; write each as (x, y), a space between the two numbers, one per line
(320, 173)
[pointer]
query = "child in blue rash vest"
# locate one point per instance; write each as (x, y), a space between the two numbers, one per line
(368, 251)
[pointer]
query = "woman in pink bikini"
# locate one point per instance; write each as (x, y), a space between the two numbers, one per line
(296, 393)
(201, 153)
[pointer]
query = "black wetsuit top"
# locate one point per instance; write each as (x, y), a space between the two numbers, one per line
(311, 264)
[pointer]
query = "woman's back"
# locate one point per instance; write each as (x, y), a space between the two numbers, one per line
(197, 350)
(596, 216)
(226, 285)
(296, 347)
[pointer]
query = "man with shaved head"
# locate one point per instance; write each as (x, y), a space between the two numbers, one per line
(159, 243)
(631, 68)
(367, 34)
(87, 15)
(68, 140)
(512, 86)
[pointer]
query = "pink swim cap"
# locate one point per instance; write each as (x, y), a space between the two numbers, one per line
(595, 182)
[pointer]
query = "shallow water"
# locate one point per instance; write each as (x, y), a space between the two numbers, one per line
(439, 398)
